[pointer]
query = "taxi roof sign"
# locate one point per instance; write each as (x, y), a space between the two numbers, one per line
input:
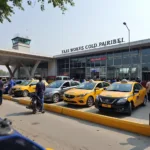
(124, 81)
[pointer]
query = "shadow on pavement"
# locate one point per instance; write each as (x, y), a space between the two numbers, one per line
(138, 142)
(21, 114)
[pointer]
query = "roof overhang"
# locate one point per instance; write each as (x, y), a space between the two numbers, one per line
(12, 57)
(124, 46)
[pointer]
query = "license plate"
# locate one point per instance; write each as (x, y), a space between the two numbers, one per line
(106, 106)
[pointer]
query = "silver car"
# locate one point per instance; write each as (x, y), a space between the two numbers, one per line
(54, 91)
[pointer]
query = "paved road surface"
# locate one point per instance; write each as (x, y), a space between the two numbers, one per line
(65, 133)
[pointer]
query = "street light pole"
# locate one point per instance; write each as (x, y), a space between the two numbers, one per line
(124, 23)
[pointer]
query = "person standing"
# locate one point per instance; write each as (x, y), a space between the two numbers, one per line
(148, 89)
(11, 84)
(40, 88)
(1, 91)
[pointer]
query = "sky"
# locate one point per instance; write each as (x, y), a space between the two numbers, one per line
(87, 22)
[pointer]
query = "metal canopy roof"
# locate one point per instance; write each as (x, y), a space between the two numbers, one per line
(123, 46)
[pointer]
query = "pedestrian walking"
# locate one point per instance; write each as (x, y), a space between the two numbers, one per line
(1, 91)
(40, 88)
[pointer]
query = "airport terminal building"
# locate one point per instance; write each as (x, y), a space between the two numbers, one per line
(108, 59)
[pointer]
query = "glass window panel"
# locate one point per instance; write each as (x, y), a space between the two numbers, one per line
(117, 58)
(146, 51)
(145, 59)
(67, 65)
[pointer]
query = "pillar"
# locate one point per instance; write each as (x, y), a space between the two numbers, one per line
(12, 73)
(30, 75)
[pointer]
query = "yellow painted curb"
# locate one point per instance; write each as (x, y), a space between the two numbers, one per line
(24, 102)
(53, 108)
(96, 118)
(109, 121)
(7, 97)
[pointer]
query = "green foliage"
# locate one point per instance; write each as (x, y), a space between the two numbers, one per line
(7, 6)
(3, 73)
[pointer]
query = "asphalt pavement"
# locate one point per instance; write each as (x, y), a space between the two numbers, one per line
(65, 133)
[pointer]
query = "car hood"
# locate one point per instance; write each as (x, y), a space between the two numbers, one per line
(77, 91)
(19, 86)
(115, 94)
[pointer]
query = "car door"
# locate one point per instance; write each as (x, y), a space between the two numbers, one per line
(98, 89)
(65, 87)
(136, 95)
(141, 93)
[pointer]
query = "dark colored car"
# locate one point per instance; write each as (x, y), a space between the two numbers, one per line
(54, 91)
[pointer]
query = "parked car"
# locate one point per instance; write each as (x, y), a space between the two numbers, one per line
(10, 139)
(85, 93)
(25, 88)
(122, 97)
(62, 78)
(54, 91)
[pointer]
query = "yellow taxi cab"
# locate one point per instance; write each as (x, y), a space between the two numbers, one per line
(26, 87)
(85, 93)
(122, 97)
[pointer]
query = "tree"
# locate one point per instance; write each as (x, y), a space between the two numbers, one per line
(3, 73)
(7, 6)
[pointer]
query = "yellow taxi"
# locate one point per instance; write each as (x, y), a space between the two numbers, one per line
(85, 93)
(26, 87)
(122, 97)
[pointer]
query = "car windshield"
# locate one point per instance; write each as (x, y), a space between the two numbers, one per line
(120, 87)
(27, 82)
(86, 86)
(56, 84)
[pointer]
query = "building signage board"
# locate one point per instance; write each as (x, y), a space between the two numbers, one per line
(95, 45)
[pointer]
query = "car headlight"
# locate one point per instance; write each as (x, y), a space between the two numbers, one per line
(122, 101)
(81, 95)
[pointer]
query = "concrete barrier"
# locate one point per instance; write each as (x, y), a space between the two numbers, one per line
(24, 102)
(7, 97)
(109, 121)
(53, 108)
(96, 118)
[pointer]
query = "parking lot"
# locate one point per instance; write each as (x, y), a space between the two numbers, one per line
(140, 114)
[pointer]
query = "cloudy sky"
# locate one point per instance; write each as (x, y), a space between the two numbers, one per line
(86, 23)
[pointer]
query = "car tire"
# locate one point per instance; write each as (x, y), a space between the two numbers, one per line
(56, 98)
(90, 101)
(145, 101)
(129, 112)
(25, 93)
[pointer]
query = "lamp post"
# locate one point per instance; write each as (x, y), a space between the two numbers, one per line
(124, 23)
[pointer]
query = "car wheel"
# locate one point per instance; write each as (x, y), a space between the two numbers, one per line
(25, 93)
(145, 101)
(90, 101)
(56, 98)
(129, 112)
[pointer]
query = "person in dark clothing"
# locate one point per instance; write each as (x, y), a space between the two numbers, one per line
(40, 88)
(1, 91)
